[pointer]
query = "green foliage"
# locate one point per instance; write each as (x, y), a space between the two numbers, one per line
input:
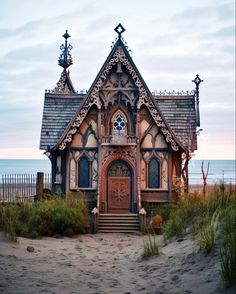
(207, 233)
(56, 216)
(9, 221)
(165, 210)
(150, 246)
(207, 217)
(228, 248)
(174, 226)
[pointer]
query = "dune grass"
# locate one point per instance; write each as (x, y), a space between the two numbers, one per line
(212, 222)
(150, 247)
(56, 216)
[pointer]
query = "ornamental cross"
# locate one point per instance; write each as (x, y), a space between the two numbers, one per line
(119, 30)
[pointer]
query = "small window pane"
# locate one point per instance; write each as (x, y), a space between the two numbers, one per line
(153, 174)
(119, 123)
(84, 172)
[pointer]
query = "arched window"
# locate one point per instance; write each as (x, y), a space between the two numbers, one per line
(84, 172)
(119, 124)
(154, 173)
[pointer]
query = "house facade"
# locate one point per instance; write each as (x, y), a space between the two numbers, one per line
(120, 144)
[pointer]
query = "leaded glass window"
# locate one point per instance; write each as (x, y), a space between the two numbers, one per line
(154, 173)
(84, 172)
(119, 124)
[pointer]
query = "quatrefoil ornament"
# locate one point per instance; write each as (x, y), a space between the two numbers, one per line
(119, 29)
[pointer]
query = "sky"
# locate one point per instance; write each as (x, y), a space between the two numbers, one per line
(171, 41)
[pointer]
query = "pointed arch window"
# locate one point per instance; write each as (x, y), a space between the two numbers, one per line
(154, 173)
(119, 124)
(84, 172)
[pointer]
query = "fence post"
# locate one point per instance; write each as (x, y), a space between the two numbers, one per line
(95, 219)
(39, 185)
(142, 218)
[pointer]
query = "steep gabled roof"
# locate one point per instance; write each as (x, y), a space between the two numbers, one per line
(180, 114)
(57, 113)
(64, 85)
(119, 53)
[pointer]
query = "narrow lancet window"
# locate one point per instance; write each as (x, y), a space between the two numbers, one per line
(154, 173)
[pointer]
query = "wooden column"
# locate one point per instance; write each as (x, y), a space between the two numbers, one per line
(100, 134)
(138, 164)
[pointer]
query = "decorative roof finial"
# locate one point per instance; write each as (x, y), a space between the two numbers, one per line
(65, 59)
(119, 30)
(197, 81)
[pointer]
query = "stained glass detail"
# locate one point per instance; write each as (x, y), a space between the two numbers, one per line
(119, 123)
(119, 169)
(84, 172)
(154, 173)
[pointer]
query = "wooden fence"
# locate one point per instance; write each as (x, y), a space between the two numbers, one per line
(21, 187)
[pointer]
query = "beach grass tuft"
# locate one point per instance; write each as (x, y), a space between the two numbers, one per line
(150, 246)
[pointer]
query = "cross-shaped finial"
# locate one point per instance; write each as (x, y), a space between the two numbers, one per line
(119, 30)
(197, 81)
(66, 35)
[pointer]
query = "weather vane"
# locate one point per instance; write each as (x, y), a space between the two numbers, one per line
(119, 30)
(65, 59)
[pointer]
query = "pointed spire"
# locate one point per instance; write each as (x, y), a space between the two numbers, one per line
(65, 59)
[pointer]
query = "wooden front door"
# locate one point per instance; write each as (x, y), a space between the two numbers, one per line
(118, 194)
(119, 188)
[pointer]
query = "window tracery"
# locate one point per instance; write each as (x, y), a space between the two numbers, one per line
(119, 124)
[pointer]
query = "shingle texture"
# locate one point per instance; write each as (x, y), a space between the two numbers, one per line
(59, 109)
(180, 114)
(57, 113)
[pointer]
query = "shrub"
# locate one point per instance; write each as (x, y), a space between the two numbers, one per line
(150, 246)
(165, 210)
(174, 226)
(10, 220)
(46, 217)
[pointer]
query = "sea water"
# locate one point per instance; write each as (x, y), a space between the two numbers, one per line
(219, 170)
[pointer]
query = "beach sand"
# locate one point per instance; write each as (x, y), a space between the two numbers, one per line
(106, 263)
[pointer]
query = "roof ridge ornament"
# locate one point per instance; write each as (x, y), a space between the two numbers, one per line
(65, 59)
(119, 29)
(197, 81)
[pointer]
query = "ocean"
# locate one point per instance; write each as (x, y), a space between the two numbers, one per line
(220, 170)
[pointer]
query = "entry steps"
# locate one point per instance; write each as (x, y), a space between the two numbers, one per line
(118, 223)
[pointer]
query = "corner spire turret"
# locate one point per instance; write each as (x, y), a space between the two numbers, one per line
(65, 59)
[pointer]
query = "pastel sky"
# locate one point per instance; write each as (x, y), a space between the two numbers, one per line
(171, 42)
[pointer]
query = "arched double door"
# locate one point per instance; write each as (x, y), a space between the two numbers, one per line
(119, 187)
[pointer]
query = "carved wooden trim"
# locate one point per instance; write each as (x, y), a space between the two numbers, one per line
(93, 99)
(118, 154)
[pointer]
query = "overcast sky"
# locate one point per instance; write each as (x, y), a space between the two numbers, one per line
(171, 42)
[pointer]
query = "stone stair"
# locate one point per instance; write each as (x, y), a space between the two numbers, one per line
(118, 223)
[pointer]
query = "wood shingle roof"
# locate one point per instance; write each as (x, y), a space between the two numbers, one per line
(180, 114)
(178, 111)
(57, 113)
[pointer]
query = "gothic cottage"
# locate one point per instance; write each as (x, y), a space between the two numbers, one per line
(119, 143)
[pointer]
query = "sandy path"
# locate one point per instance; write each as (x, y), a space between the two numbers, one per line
(105, 263)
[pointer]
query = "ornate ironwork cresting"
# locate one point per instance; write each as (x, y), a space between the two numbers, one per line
(197, 81)
(119, 29)
(65, 59)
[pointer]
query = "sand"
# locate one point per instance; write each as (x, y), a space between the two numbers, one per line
(106, 263)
